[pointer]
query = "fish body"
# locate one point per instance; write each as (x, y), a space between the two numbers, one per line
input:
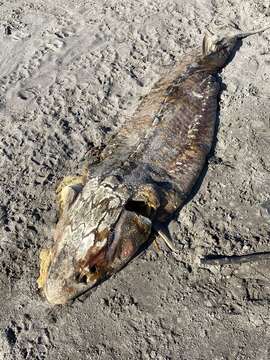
(142, 177)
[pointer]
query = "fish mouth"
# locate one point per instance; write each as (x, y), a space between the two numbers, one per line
(65, 282)
(58, 294)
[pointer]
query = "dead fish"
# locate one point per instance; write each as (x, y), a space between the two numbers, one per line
(143, 175)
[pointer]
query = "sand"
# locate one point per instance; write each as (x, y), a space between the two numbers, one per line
(70, 73)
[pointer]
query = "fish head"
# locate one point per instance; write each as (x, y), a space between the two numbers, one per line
(217, 49)
(106, 226)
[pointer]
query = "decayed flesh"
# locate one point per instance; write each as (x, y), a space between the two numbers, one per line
(144, 175)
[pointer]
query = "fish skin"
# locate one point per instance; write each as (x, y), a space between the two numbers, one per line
(144, 174)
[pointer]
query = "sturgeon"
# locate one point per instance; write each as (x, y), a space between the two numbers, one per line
(140, 179)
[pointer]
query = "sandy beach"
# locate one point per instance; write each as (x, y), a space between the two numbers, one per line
(70, 74)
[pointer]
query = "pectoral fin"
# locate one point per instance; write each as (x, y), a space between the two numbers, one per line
(165, 236)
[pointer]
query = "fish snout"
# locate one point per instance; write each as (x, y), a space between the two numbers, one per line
(57, 292)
